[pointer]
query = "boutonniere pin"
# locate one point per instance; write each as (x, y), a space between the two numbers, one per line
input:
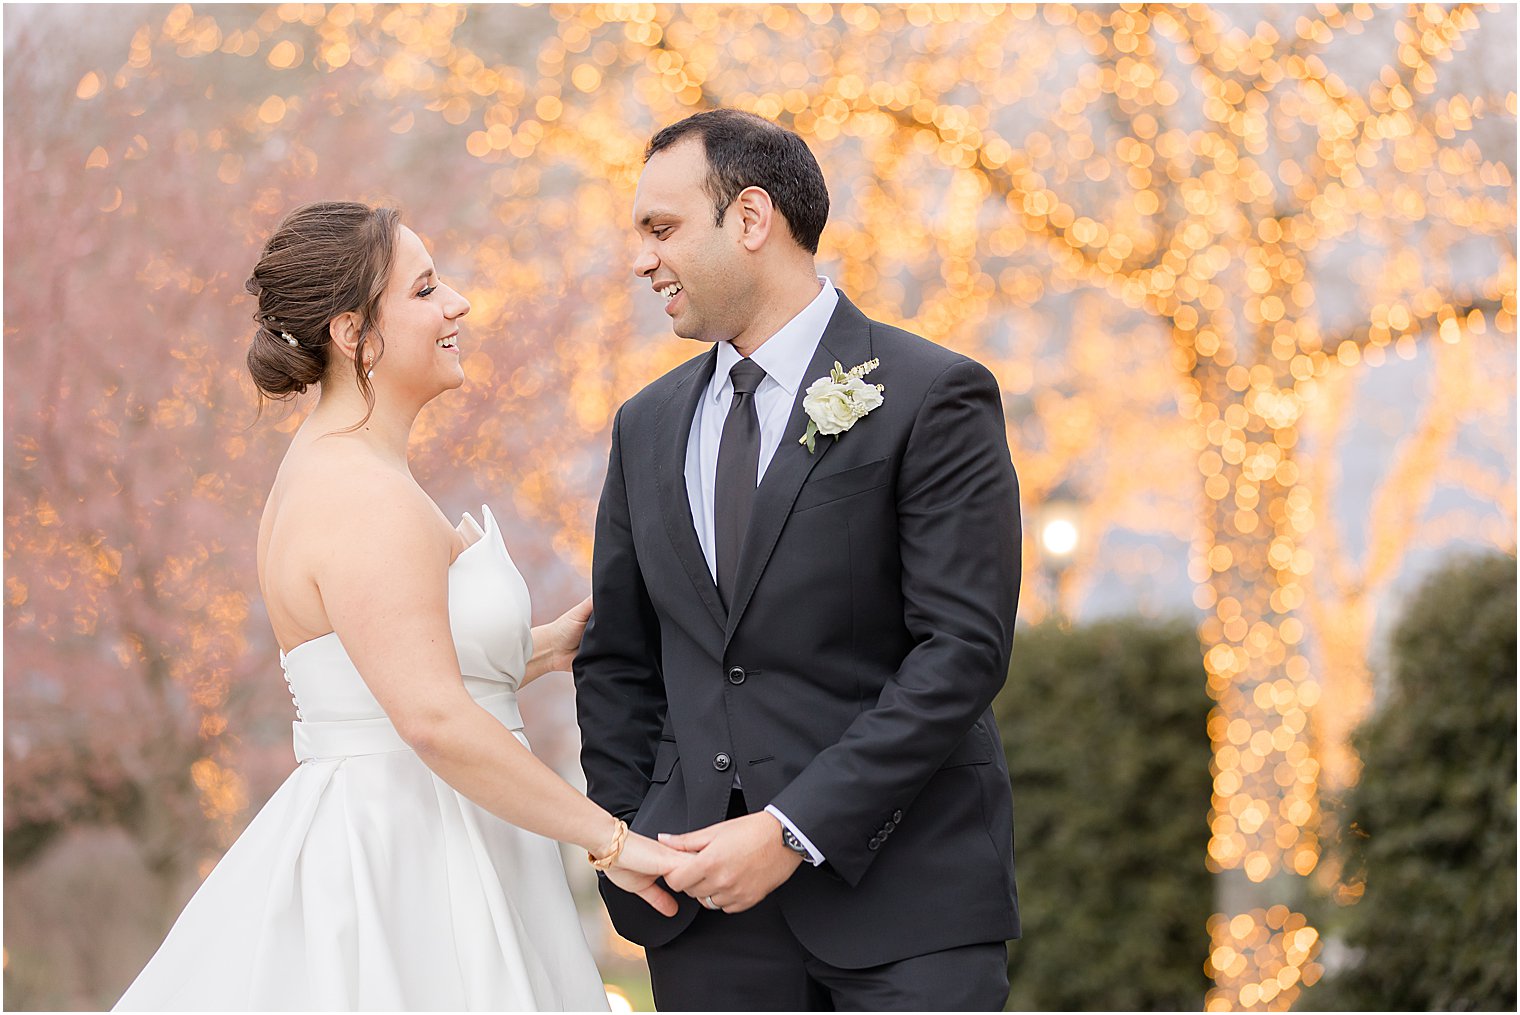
(835, 402)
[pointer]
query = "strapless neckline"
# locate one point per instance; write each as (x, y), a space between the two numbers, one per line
(486, 531)
(489, 618)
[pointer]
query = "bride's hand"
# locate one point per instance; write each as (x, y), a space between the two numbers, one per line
(642, 863)
(555, 643)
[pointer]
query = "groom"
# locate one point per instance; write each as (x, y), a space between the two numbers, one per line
(804, 607)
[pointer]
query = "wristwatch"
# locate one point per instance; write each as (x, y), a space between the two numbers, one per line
(791, 842)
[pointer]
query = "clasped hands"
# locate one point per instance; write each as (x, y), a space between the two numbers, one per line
(729, 866)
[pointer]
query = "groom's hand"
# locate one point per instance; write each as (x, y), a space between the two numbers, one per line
(735, 863)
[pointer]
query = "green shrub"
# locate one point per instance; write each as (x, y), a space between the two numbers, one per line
(1430, 827)
(1105, 728)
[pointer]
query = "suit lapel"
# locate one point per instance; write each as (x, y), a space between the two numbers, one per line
(672, 431)
(848, 340)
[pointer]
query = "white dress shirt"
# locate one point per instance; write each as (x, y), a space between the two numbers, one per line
(784, 357)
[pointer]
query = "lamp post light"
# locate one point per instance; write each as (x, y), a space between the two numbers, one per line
(1060, 534)
(1060, 538)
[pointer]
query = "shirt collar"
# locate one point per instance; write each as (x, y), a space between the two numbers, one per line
(785, 355)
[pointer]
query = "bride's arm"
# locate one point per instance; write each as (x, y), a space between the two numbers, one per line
(384, 584)
(555, 643)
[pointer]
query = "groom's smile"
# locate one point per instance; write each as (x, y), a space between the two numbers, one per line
(671, 291)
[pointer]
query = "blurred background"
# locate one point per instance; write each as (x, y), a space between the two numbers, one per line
(1246, 276)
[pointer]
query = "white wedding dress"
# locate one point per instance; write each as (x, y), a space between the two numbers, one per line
(366, 882)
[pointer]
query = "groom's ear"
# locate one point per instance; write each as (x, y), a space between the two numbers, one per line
(757, 215)
(344, 330)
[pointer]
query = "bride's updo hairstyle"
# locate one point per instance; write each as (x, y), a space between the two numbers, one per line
(324, 260)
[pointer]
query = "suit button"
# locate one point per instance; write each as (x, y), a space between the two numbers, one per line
(887, 828)
(896, 816)
(736, 675)
(874, 844)
(721, 762)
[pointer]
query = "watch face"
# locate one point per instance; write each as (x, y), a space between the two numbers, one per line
(792, 842)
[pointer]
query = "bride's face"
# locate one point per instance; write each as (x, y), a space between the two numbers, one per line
(419, 319)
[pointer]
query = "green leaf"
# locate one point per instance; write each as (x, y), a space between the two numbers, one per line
(811, 435)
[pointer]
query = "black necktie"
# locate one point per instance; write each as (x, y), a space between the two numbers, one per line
(738, 472)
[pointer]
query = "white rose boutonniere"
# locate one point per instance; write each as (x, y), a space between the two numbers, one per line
(835, 402)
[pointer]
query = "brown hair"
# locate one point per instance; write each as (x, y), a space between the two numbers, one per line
(324, 260)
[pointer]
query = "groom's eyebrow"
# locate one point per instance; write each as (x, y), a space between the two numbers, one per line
(650, 216)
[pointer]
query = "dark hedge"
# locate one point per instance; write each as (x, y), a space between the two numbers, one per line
(1430, 827)
(1105, 726)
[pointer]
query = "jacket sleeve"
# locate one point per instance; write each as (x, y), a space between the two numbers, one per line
(959, 540)
(619, 689)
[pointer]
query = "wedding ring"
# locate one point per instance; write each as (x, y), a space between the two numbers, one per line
(709, 903)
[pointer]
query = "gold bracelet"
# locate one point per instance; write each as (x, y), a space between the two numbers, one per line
(619, 839)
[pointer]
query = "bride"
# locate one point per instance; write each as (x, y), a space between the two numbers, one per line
(409, 862)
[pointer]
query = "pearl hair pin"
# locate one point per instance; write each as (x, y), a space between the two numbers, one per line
(289, 338)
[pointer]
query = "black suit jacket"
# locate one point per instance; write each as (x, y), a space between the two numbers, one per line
(850, 683)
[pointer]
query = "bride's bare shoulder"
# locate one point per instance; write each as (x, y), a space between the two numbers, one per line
(339, 492)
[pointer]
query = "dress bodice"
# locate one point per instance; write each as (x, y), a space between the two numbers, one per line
(490, 617)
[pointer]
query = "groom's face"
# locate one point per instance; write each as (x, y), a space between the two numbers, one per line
(696, 266)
